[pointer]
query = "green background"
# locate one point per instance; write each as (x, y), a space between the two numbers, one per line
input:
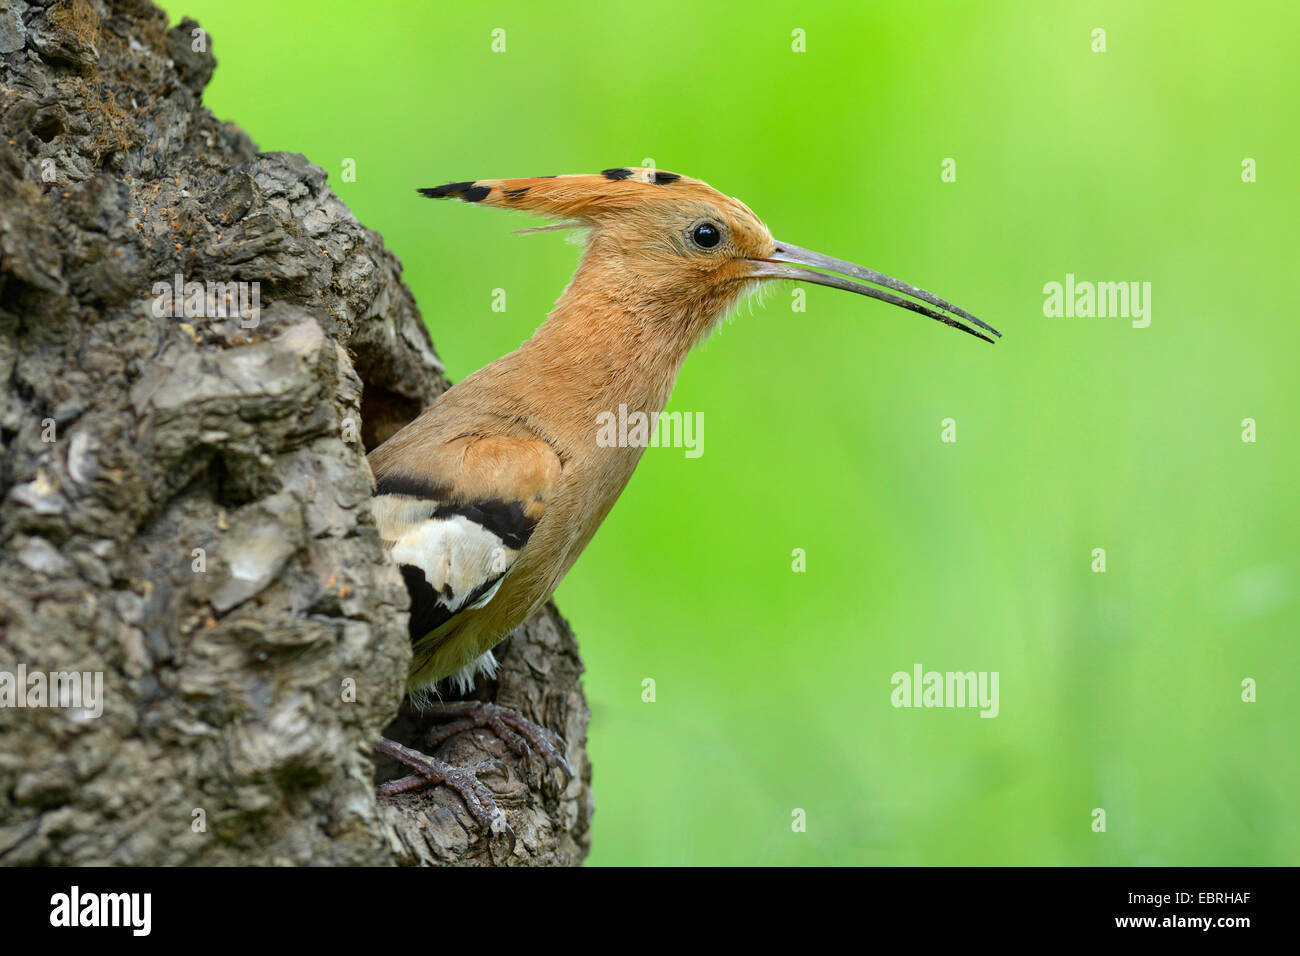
(1119, 690)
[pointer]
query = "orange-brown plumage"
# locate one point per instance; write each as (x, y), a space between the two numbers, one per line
(509, 456)
(491, 494)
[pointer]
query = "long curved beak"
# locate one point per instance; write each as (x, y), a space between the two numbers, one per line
(774, 267)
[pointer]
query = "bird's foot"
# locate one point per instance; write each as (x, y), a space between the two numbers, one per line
(464, 780)
(517, 732)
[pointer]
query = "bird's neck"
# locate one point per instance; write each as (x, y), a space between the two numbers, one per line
(613, 340)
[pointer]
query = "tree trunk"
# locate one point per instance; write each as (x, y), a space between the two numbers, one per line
(184, 489)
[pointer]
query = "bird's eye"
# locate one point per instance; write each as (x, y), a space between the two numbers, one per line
(706, 235)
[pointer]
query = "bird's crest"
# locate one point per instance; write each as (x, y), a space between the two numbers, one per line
(580, 197)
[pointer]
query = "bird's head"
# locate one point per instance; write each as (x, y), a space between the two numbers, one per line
(659, 237)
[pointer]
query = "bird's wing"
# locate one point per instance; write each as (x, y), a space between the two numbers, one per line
(456, 517)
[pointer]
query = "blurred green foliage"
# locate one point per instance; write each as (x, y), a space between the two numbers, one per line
(1118, 690)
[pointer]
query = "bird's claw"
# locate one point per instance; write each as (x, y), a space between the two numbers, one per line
(521, 735)
(479, 799)
(514, 730)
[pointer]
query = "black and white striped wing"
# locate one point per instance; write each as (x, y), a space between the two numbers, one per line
(455, 536)
(452, 556)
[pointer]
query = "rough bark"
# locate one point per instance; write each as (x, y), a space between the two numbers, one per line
(252, 690)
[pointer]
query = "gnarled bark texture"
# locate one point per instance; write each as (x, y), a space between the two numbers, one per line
(184, 498)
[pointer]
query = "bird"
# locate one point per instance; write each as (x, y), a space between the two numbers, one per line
(488, 497)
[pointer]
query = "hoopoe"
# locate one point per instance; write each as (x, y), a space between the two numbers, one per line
(488, 497)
